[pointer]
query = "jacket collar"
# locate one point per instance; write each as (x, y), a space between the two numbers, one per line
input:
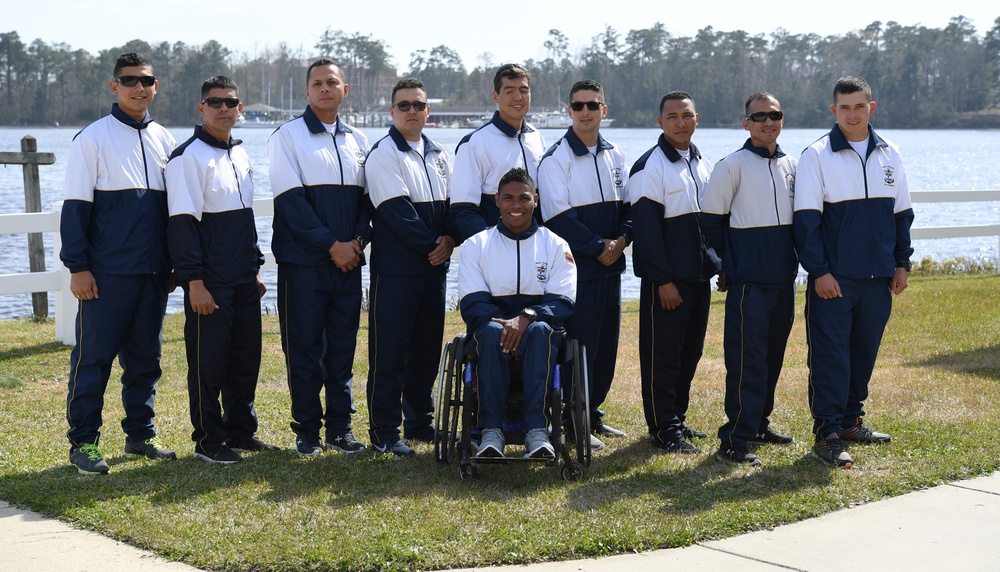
(316, 126)
(403, 145)
(127, 119)
(762, 151)
(672, 155)
(506, 231)
(506, 129)
(200, 133)
(580, 148)
(839, 143)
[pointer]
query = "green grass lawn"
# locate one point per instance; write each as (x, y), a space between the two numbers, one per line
(935, 390)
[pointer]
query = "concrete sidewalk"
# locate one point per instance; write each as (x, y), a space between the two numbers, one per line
(950, 527)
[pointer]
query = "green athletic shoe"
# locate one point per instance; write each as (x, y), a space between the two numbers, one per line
(88, 460)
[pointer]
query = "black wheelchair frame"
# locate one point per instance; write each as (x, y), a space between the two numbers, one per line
(456, 406)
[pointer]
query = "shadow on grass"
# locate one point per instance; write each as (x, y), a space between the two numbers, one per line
(983, 362)
(19, 352)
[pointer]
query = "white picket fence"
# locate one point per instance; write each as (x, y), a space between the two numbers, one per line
(57, 281)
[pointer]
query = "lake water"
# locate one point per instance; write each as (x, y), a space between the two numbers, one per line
(935, 160)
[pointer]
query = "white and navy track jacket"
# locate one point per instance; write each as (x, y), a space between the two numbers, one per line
(481, 159)
(318, 182)
(852, 214)
(410, 196)
(114, 218)
(211, 227)
(582, 197)
(500, 274)
(665, 190)
(747, 216)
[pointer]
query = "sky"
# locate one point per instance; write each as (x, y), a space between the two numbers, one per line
(508, 32)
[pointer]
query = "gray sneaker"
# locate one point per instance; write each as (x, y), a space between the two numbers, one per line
(537, 445)
(491, 443)
(88, 460)
(345, 443)
(151, 448)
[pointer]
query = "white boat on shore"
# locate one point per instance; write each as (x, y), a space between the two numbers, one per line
(557, 120)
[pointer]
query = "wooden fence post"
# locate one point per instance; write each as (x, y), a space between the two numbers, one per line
(33, 204)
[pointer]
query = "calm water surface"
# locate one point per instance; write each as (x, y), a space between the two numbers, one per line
(935, 160)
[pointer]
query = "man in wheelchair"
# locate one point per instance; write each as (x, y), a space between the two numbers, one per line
(517, 285)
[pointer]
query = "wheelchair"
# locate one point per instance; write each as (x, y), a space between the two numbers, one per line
(456, 431)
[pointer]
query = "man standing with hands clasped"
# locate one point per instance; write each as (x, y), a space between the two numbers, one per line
(852, 231)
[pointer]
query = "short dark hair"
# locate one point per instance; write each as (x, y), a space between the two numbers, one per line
(757, 97)
(218, 81)
(673, 95)
(406, 83)
(516, 175)
(852, 84)
(509, 71)
(131, 60)
(587, 85)
(324, 62)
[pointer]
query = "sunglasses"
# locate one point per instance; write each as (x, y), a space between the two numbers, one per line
(216, 102)
(591, 105)
(131, 80)
(762, 116)
(405, 106)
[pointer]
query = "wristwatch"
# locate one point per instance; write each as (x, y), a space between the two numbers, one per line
(361, 241)
(530, 313)
(905, 264)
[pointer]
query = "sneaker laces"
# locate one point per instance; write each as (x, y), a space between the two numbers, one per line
(155, 442)
(91, 451)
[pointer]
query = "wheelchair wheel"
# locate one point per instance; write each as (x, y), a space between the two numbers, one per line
(449, 400)
(580, 403)
(574, 471)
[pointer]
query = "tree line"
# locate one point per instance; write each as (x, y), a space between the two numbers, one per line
(923, 77)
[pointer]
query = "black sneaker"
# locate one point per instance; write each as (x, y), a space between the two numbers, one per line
(738, 456)
(88, 460)
(830, 450)
(605, 430)
(771, 437)
(151, 448)
(690, 433)
(681, 445)
(424, 434)
(345, 443)
(221, 456)
(861, 433)
(308, 446)
(397, 448)
(252, 445)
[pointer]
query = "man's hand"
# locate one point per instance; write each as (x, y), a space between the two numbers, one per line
(442, 252)
(201, 299)
(722, 282)
(83, 285)
(513, 331)
(613, 250)
(670, 297)
(261, 288)
(346, 255)
(827, 287)
(900, 280)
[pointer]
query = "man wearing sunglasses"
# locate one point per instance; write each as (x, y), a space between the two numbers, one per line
(665, 188)
(747, 220)
(485, 155)
(581, 187)
(213, 245)
(852, 231)
(322, 219)
(413, 239)
(113, 227)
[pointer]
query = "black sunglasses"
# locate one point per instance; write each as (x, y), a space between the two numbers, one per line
(762, 116)
(131, 80)
(216, 102)
(591, 105)
(405, 106)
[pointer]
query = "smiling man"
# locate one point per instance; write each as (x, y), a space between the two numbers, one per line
(852, 232)
(665, 188)
(213, 245)
(322, 222)
(114, 233)
(581, 183)
(412, 242)
(747, 221)
(516, 286)
(486, 154)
